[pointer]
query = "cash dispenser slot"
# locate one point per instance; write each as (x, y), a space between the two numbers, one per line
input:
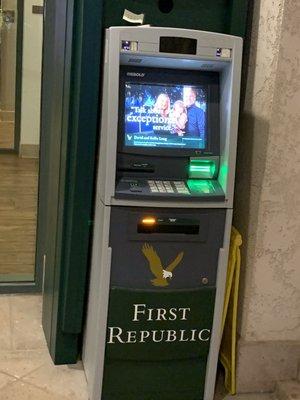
(168, 225)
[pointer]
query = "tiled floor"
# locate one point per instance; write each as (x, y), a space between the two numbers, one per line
(26, 369)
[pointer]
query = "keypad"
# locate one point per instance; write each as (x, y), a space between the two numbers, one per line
(157, 186)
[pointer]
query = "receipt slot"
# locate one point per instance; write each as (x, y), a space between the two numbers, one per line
(163, 213)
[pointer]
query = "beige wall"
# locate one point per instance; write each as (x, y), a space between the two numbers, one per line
(31, 76)
(8, 59)
(267, 202)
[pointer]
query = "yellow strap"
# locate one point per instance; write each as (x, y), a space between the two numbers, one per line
(229, 320)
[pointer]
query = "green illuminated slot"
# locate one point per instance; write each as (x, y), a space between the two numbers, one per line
(199, 168)
(200, 186)
(202, 169)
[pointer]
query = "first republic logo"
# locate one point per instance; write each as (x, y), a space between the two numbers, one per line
(144, 314)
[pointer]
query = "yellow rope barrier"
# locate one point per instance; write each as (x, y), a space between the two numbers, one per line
(229, 321)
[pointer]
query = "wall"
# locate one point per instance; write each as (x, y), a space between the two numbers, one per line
(8, 61)
(31, 79)
(267, 202)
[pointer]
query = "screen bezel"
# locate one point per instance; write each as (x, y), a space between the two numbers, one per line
(146, 75)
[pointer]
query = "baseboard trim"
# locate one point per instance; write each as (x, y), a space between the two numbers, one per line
(261, 364)
(29, 150)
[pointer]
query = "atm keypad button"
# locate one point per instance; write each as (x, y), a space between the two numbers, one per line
(181, 187)
(153, 187)
(179, 184)
(168, 187)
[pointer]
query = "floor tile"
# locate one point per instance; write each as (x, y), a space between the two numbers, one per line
(27, 332)
(5, 323)
(22, 391)
(288, 390)
(68, 381)
(22, 362)
(5, 380)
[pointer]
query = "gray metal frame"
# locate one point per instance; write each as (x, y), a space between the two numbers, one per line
(230, 72)
(95, 333)
(215, 341)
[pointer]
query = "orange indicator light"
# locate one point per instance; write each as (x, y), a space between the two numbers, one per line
(149, 221)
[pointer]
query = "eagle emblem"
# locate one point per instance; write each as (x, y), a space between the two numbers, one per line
(161, 274)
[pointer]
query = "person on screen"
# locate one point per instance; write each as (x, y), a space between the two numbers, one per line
(178, 118)
(162, 105)
(195, 115)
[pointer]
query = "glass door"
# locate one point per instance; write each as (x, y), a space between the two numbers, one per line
(21, 39)
(8, 57)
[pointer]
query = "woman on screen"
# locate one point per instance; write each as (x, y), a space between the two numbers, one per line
(162, 105)
(178, 118)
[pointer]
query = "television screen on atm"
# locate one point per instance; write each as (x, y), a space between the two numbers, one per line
(172, 116)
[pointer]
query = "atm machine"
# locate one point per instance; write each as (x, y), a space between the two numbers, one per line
(163, 213)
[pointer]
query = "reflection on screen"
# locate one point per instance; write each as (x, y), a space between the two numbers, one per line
(169, 116)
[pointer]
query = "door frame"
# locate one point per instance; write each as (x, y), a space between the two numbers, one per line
(78, 48)
(19, 72)
(18, 80)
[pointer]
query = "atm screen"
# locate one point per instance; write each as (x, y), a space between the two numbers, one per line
(165, 115)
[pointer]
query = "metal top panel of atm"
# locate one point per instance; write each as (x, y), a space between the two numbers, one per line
(151, 156)
(175, 40)
(199, 49)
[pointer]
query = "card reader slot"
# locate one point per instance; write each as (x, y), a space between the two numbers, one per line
(186, 229)
(149, 169)
(136, 167)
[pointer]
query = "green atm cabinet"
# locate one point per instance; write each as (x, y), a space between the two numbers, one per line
(73, 35)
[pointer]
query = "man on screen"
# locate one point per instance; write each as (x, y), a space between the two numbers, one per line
(195, 125)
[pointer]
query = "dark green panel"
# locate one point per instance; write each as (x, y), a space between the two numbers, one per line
(224, 16)
(192, 14)
(173, 366)
(81, 111)
(83, 139)
(121, 313)
(50, 154)
(176, 380)
(72, 48)
(237, 17)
